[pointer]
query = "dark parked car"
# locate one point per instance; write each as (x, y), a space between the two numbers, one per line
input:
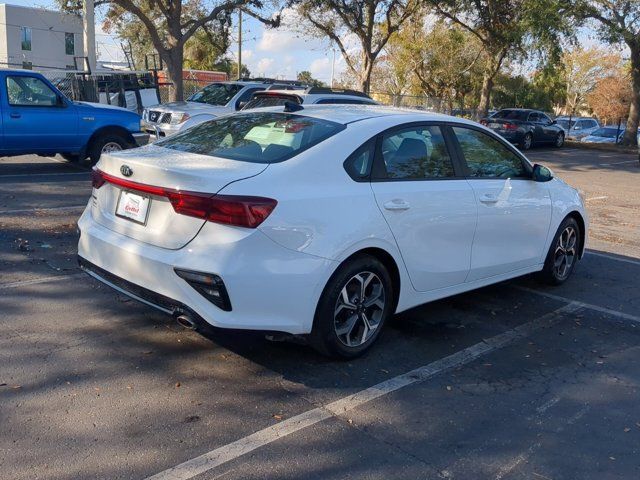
(525, 127)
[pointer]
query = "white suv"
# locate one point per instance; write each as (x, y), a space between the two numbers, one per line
(218, 98)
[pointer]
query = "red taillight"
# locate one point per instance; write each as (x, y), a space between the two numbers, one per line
(237, 210)
(510, 126)
(484, 122)
(241, 211)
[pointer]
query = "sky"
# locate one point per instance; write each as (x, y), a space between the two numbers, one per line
(280, 53)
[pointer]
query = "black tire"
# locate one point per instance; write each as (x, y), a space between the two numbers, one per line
(331, 314)
(555, 272)
(559, 140)
(102, 141)
(527, 141)
(71, 157)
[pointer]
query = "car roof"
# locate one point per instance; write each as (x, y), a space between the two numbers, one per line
(304, 94)
(345, 114)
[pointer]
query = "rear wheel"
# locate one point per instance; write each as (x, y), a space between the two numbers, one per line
(527, 141)
(563, 253)
(353, 309)
(107, 143)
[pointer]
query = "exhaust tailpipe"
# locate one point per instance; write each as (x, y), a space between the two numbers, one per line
(186, 321)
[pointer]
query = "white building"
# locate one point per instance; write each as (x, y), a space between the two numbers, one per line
(39, 39)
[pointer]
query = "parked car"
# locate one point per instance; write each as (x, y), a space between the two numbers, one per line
(577, 128)
(323, 222)
(309, 96)
(218, 98)
(607, 134)
(525, 127)
(38, 119)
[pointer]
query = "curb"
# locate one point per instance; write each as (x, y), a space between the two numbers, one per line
(600, 146)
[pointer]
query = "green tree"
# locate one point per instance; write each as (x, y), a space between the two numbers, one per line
(306, 78)
(371, 22)
(618, 23)
(170, 24)
(504, 28)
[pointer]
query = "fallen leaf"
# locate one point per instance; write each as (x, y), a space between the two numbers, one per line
(277, 417)
(449, 387)
(177, 384)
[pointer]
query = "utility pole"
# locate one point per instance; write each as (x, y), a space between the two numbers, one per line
(89, 33)
(239, 44)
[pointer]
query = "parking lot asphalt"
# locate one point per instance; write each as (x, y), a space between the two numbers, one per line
(515, 380)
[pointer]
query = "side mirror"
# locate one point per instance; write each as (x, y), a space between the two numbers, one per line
(240, 105)
(554, 122)
(541, 173)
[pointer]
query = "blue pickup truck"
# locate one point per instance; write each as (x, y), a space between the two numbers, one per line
(36, 118)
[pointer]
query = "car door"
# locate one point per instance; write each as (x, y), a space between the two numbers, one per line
(426, 202)
(549, 129)
(37, 118)
(514, 212)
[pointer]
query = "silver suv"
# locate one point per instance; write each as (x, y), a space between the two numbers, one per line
(218, 98)
(579, 128)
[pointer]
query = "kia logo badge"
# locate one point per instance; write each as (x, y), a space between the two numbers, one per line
(126, 170)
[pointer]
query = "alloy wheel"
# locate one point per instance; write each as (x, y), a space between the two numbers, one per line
(110, 147)
(527, 142)
(560, 140)
(359, 309)
(565, 253)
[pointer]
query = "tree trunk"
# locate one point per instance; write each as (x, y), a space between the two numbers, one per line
(485, 93)
(631, 133)
(365, 75)
(174, 59)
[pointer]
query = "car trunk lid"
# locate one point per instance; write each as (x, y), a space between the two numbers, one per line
(132, 201)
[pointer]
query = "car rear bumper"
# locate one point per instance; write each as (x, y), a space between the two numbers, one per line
(270, 286)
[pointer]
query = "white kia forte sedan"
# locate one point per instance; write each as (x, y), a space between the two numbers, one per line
(324, 221)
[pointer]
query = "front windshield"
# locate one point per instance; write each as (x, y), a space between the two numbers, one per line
(605, 132)
(257, 137)
(216, 94)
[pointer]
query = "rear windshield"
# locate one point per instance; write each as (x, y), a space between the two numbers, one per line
(257, 137)
(512, 114)
(260, 101)
(216, 93)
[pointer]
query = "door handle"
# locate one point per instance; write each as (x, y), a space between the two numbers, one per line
(488, 198)
(15, 115)
(397, 204)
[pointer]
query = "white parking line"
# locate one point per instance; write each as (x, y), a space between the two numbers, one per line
(601, 197)
(588, 306)
(226, 453)
(35, 281)
(48, 209)
(613, 257)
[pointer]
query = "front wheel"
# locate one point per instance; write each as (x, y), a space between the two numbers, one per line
(108, 143)
(559, 140)
(355, 304)
(563, 253)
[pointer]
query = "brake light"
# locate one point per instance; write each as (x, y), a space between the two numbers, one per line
(236, 210)
(510, 126)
